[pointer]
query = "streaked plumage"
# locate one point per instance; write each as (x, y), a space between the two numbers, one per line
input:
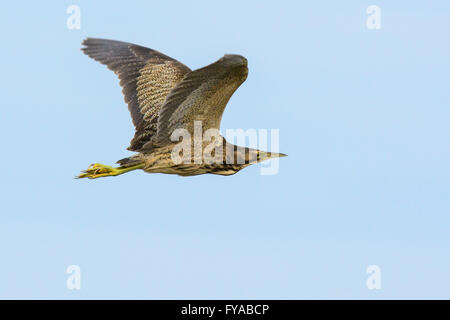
(163, 95)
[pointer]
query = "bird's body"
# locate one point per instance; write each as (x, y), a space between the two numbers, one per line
(168, 101)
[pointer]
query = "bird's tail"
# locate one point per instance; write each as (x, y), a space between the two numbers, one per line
(129, 161)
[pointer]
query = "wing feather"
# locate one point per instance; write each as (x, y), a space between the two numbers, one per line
(202, 95)
(146, 76)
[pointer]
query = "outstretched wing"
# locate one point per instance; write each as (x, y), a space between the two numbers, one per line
(146, 76)
(201, 96)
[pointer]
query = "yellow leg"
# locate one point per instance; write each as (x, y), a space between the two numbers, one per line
(98, 170)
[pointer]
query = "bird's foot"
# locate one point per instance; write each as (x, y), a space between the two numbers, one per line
(98, 170)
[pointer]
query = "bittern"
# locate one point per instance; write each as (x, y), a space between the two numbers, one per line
(163, 96)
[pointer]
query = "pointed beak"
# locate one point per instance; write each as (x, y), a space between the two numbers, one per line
(269, 155)
(275, 155)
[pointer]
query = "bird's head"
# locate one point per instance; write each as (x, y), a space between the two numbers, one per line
(234, 60)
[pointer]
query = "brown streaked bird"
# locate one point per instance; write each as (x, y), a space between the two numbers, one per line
(164, 95)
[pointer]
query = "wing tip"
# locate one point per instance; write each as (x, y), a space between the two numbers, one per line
(101, 42)
(88, 41)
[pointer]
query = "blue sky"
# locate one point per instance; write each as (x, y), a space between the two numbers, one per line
(363, 115)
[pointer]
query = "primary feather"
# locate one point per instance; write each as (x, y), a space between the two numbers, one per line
(146, 76)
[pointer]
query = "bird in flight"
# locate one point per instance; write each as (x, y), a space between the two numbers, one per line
(169, 101)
